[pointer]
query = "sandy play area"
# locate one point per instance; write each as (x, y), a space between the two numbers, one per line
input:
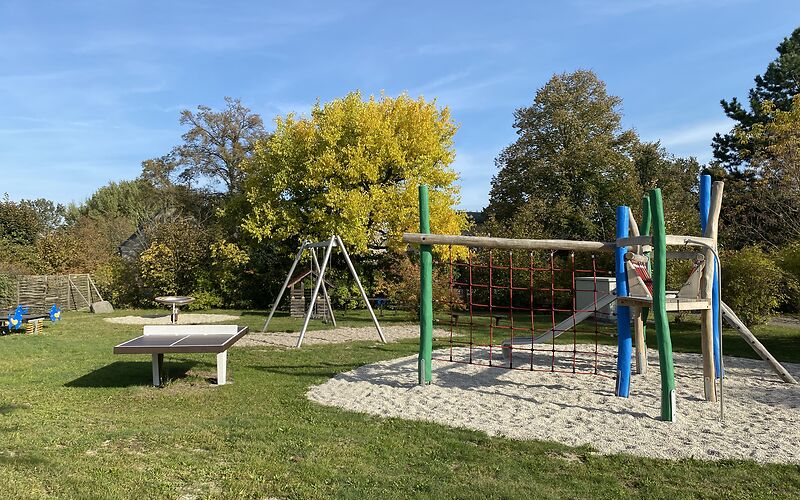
(163, 319)
(761, 414)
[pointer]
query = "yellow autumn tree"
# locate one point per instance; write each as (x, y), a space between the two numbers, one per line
(353, 168)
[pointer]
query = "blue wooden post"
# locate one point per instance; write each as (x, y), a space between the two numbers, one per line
(624, 339)
(705, 207)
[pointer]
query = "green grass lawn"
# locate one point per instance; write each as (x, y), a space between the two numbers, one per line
(77, 421)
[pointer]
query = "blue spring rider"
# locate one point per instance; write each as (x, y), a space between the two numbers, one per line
(15, 319)
(55, 313)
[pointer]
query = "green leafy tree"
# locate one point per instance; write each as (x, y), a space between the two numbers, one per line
(158, 271)
(213, 150)
(570, 166)
(353, 168)
(762, 206)
(19, 222)
(779, 84)
(678, 179)
(136, 201)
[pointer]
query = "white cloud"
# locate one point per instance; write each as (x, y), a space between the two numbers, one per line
(692, 134)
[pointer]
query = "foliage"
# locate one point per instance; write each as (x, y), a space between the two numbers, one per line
(762, 201)
(214, 147)
(753, 284)
(136, 201)
(788, 259)
(51, 215)
(19, 222)
(188, 243)
(678, 179)
(17, 258)
(570, 166)
(118, 282)
(228, 262)
(353, 169)
(157, 269)
(400, 284)
(778, 85)
(205, 300)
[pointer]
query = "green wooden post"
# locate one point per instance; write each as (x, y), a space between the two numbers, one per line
(660, 308)
(645, 231)
(425, 292)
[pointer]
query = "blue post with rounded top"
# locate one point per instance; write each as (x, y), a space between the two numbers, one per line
(624, 339)
(705, 207)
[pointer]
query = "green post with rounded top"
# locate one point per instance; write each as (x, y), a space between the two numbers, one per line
(645, 231)
(660, 307)
(425, 292)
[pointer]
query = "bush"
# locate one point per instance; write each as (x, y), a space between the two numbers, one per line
(118, 281)
(204, 300)
(401, 287)
(788, 259)
(753, 284)
(157, 270)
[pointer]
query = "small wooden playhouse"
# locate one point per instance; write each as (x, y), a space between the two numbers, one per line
(300, 290)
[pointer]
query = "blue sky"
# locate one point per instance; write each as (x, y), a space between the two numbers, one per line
(88, 90)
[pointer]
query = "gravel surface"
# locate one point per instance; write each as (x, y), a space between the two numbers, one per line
(183, 319)
(332, 336)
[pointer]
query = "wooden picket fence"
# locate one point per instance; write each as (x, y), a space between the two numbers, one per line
(39, 292)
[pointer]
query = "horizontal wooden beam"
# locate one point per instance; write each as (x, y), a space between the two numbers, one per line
(508, 243)
(671, 240)
(674, 304)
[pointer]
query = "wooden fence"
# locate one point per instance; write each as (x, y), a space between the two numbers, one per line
(40, 292)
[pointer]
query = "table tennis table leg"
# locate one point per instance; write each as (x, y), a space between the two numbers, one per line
(222, 368)
(158, 368)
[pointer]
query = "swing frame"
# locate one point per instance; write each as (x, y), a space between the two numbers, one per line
(319, 285)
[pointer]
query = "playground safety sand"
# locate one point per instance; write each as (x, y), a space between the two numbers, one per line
(333, 336)
(183, 319)
(762, 414)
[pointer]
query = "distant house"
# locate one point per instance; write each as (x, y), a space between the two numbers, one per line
(138, 242)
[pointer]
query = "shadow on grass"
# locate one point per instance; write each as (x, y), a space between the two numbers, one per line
(130, 373)
(8, 408)
(307, 370)
(11, 460)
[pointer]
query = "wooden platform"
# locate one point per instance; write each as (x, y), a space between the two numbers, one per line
(674, 304)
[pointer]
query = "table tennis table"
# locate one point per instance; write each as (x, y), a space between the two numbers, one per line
(163, 339)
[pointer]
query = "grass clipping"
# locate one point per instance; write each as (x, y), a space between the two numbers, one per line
(762, 414)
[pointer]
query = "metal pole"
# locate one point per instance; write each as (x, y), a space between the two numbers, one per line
(424, 365)
(361, 288)
(324, 289)
(316, 291)
(283, 288)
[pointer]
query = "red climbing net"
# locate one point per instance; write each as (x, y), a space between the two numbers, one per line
(497, 301)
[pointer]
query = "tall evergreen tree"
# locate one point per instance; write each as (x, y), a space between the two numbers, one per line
(779, 83)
